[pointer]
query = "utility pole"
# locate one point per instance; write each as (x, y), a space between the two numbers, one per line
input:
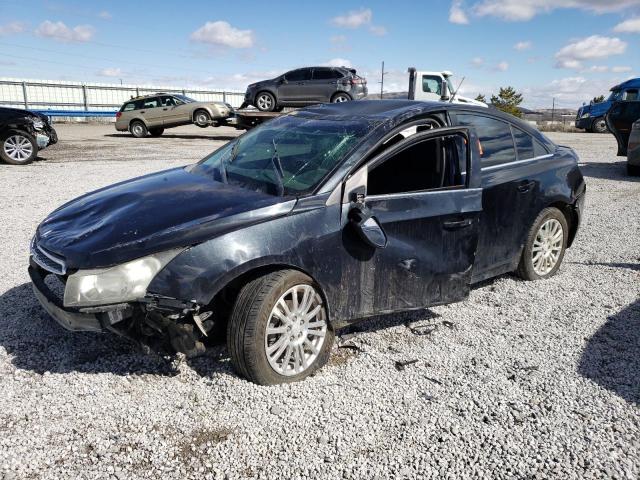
(553, 110)
(382, 72)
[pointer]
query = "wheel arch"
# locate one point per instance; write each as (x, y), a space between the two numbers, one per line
(137, 119)
(265, 90)
(570, 215)
(204, 109)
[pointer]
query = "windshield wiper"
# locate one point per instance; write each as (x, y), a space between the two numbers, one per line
(277, 166)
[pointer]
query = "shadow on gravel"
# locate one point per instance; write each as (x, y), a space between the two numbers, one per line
(36, 343)
(611, 357)
(608, 171)
(169, 136)
(630, 266)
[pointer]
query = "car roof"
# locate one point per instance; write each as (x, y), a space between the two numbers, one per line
(631, 83)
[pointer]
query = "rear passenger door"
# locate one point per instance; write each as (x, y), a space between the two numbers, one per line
(323, 84)
(151, 112)
(508, 192)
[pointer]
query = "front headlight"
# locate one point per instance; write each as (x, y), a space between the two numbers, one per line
(585, 115)
(37, 123)
(119, 284)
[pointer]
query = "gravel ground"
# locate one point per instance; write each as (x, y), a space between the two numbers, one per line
(522, 380)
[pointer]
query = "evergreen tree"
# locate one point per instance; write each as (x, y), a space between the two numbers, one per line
(508, 101)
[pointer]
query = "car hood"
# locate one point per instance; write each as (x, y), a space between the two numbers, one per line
(145, 215)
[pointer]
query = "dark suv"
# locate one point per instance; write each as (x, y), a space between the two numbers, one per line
(306, 86)
(23, 134)
(307, 223)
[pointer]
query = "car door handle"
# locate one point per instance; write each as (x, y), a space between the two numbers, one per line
(141, 111)
(165, 109)
(457, 224)
(524, 187)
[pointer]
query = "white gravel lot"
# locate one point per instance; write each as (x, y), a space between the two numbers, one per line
(522, 380)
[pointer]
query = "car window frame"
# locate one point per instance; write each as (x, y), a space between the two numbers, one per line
(157, 99)
(310, 70)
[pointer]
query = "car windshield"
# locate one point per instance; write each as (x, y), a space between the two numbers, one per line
(185, 99)
(289, 155)
(615, 95)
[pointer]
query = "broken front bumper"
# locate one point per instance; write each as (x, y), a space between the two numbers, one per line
(72, 319)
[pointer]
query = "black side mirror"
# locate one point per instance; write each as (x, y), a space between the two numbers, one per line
(283, 80)
(444, 88)
(367, 226)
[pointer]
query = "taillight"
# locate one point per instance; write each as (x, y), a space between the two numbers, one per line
(118, 115)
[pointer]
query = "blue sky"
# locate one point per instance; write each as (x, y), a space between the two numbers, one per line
(567, 49)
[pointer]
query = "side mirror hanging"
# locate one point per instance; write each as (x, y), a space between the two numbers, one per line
(368, 228)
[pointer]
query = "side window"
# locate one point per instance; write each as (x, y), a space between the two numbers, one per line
(427, 165)
(539, 149)
(299, 75)
(630, 95)
(127, 107)
(495, 138)
(324, 74)
(150, 102)
(168, 101)
(524, 144)
(431, 84)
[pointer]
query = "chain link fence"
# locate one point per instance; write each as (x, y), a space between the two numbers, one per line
(92, 99)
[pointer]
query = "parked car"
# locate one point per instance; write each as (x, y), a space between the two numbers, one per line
(592, 117)
(23, 134)
(308, 223)
(152, 114)
(306, 86)
(624, 111)
(633, 150)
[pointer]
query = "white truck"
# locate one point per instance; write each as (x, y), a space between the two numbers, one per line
(436, 87)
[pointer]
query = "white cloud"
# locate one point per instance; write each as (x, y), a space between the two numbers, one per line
(110, 72)
(378, 30)
(11, 28)
(60, 32)
(105, 15)
(477, 61)
(353, 19)
(520, 46)
(457, 14)
(523, 10)
(621, 69)
(338, 62)
(598, 68)
(502, 66)
(223, 34)
(628, 26)
(593, 47)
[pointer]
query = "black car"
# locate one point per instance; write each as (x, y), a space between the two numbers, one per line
(23, 134)
(308, 223)
(306, 86)
(620, 120)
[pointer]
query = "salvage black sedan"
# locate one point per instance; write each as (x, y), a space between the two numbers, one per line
(23, 134)
(307, 223)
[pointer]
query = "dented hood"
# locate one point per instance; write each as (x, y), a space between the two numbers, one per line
(169, 209)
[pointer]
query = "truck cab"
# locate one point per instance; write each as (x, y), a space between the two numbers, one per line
(624, 111)
(436, 87)
(591, 117)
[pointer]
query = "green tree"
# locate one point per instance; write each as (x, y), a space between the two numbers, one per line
(599, 99)
(481, 98)
(508, 100)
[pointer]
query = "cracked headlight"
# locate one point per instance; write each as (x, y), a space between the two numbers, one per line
(119, 284)
(585, 115)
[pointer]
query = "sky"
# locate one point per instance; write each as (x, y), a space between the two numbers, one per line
(570, 50)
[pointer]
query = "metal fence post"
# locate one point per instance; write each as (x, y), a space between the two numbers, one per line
(84, 98)
(24, 95)
(224, 97)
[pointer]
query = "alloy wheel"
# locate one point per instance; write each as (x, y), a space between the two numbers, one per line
(295, 331)
(138, 130)
(547, 247)
(341, 99)
(265, 102)
(18, 148)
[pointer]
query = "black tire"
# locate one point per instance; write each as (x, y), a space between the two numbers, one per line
(201, 118)
(156, 132)
(18, 148)
(138, 129)
(599, 125)
(526, 269)
(265, 102)
(246, 329)
(341, 97)
(633, 170)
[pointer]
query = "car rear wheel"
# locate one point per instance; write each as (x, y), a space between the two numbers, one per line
(340, 97)
(545, 247)
(278, 331)
(18, 148)
(599, 126)
(156, 132)
(633, 170)
(138, 129)
(202, 118)
(265, 102)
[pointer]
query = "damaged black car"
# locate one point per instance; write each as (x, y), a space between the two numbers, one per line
(23, 134)
(307, 223)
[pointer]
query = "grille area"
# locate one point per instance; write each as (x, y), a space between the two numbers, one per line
(47, 260)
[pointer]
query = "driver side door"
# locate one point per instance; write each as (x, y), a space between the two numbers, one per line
(425, 195)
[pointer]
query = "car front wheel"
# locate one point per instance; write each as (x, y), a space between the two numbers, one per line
(18, 148)
(278, 331)
(265, 102)
(599, 126)
(545, 247)
(202, 118)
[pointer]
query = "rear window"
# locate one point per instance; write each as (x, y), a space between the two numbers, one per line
(326, 74)
(298, 75)
(495, 138)
(128, 107)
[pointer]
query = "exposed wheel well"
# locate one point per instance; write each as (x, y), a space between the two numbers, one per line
(571, 216)
(195, 112)
(223, 301)
(137, 120)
